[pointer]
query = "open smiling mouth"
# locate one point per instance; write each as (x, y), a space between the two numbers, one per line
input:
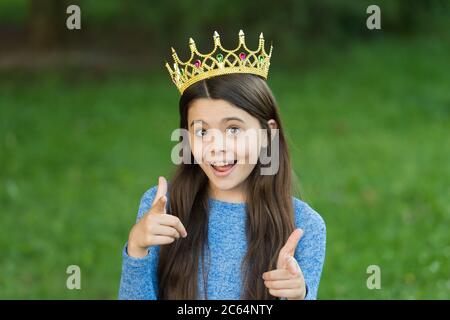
(222, 169)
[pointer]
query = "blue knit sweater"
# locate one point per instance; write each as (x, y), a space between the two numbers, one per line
(228, 245)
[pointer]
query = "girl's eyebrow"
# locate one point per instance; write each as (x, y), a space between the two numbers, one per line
(223, 120)
(200, 121)
(232, 118)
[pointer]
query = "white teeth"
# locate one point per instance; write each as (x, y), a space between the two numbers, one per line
(221, 164)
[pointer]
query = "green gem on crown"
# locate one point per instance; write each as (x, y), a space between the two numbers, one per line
(219, 57)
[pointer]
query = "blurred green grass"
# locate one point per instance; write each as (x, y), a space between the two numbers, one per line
(368, 129)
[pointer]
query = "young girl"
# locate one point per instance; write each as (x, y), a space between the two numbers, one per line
(221, 229)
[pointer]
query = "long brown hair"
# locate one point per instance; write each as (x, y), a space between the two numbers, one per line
(270, 218)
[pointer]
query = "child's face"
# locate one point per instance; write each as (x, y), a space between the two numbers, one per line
(225, 141)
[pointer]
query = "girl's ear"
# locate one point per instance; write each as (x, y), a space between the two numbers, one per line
(272, 124)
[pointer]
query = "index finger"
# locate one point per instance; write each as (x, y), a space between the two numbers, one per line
(173, 221)
(278, 274)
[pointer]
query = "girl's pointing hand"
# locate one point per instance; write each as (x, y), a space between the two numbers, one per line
(287, 281)
(156, 227)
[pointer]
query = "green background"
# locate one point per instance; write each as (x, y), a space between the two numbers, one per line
(86, 118)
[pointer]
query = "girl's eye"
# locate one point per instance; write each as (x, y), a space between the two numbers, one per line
(233, 130)
(200, 132)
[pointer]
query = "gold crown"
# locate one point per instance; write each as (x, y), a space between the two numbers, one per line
(219, 61)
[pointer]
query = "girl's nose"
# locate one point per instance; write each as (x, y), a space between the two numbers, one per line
(217, 143)
(218, 149)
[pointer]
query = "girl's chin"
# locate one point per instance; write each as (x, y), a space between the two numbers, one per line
(223, 183)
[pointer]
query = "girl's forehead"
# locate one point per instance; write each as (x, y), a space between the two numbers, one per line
(205, 106)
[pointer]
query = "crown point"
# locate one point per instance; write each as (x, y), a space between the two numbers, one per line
(261, 36)
(173, 50)
(168, 67)
(216, 34)
(241, 33)
(191, 41)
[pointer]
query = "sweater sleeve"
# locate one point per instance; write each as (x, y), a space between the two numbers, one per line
(310, 252)
(139, 275)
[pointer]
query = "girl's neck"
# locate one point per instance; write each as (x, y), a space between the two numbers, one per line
(235, 195)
